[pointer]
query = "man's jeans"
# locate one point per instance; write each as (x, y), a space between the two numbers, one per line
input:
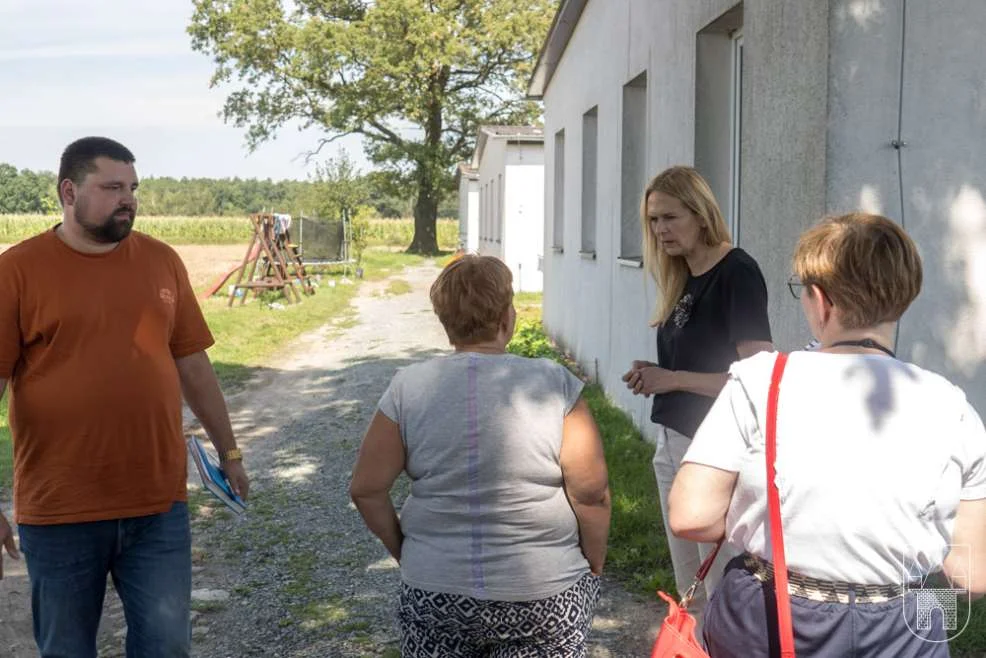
(150, 559)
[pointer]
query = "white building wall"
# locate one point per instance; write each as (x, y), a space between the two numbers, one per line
(820, 106)
(524, 215)
(491, 167)
(468, 214)
(600, 308)
(935, 184)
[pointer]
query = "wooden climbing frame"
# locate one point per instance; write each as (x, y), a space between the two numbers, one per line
(276, 266)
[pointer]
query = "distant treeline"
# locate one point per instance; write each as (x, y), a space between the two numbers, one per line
(30, 192)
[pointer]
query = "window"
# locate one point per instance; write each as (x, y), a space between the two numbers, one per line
(493, 218)
(486, 213)
(633, 165)
(485, 217)
(718, 111)
(558, 196)
(735, 136)
(590, 141)
(499, 208)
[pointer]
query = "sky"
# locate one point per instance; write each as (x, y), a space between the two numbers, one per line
(125, 69)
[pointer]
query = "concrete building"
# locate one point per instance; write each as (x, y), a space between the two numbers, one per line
(510, 165)
(792, 109)
(468, 184)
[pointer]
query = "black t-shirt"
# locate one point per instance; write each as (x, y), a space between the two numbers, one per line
(718, 309)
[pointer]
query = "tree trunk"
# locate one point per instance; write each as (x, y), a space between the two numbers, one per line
(425, 216)
(428, 175)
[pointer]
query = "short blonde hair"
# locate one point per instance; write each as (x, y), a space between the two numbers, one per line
(866, 264)
(470, 297)
(671, 272)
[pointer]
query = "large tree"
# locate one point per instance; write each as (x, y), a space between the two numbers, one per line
(414, 78)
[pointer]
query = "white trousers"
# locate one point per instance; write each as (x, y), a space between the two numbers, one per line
(686, 556)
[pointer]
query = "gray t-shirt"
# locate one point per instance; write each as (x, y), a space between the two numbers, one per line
(487, 516)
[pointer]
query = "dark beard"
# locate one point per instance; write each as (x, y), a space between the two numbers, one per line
(110, 230)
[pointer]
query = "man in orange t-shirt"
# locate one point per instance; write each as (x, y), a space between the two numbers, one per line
(100, 337)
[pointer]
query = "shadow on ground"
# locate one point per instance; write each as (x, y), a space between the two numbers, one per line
(306, 577)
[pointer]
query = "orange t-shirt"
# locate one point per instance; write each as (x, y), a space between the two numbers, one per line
(88, 345)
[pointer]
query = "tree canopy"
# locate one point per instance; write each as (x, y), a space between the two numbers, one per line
(335, 187)
(26, 191)
(414, 78)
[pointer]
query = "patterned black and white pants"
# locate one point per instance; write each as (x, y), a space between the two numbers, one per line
(437, 625)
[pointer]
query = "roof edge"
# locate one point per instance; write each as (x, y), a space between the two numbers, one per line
(561, 31)
(488, 132)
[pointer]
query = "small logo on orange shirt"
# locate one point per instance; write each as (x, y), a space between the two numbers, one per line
(167, 296)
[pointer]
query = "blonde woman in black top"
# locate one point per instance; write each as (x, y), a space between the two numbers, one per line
(711, 311)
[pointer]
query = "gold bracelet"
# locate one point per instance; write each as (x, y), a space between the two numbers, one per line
(231, 456)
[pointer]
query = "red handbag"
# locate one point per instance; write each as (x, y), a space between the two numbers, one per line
(676, 638)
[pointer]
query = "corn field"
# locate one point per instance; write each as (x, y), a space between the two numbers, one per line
(225, 230)
(398, 233)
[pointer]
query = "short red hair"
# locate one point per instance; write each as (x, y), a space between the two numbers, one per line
(470, 297)
(866, 264)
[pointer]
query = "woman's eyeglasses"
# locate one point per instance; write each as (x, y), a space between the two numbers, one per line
(795, 285)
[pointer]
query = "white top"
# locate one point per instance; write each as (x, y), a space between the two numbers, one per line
(873, 456)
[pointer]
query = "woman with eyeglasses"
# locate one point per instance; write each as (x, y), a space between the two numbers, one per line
(881, 469)
(711, 311)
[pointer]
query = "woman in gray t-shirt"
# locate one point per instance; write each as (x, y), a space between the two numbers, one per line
(503, 537)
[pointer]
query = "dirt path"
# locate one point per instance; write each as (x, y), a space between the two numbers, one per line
(299, 575)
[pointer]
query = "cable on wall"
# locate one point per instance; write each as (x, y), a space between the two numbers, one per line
(898, 142)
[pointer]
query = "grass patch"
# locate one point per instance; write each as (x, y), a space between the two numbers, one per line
(208, 606)
(198, 501)
(398, 287)
(6, 450)
(528, 306)
(248, 335)
(638, 551)
(314, 616)
(972, 640)
(381, 263)
(300, 568)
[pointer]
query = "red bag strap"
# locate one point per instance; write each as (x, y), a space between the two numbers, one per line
(784, 625)
(703, 571)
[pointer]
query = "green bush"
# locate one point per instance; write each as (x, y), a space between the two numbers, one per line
(530, 340)
(359, 229)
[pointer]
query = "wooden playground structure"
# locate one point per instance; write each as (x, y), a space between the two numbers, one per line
(272, 262)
